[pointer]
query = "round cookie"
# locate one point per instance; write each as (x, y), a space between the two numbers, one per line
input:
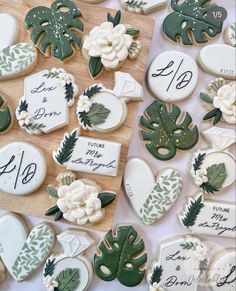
(9, 30)
(230, 34)
(22, 168)
(172, 76)
(218, 60)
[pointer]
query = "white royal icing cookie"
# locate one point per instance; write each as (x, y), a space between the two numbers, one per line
(172, 76)
(11, 227)
(103, 110)
(230, 34)
(47, 96)
(17, 60)
(145, 7)
(72, 264)
(218, 60)
(222, 271)
(9, 30)
(178, 260)
(209, 217)
(22, 168)
(85, 154)
(214, 169)
(150, 197)
(70, 191)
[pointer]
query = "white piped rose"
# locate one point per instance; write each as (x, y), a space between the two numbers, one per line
(50, 283)
(84, 104)
(200, 252)
(157, 287)
(108, 42)
(225, 100)
(64, 79)
(79, 203)
(24, 118)
(200, 176)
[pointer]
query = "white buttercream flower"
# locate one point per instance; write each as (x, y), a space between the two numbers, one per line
(79, 203)
(50, 283)
(225, 100)
(200, 252)
(64, 79)
(157, 287)
(200, 176)
(24, 118)
(108, 42)
(84, 104)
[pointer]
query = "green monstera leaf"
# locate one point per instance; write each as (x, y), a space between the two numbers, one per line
(163, 135)
(5, 116)
(55, 28)
(189, 22)
(121, 255)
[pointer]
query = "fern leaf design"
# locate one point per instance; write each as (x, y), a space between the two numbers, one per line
(198, 161)
(156, 275)
(193, 211)
(66, 150)
(49, 268)
(23, 106)
(69, 93)
(91, 91)
(188, 245)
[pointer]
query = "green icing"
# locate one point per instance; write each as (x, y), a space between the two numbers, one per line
(190, 16)
(52, 27)
(166, 190)
(163, 135)
(156, 275)
(68, 280)
(120, 256)
(5, 117)
(17, 58)
(35, 250)
(192, 212)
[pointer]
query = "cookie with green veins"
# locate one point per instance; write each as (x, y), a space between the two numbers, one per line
(6, 119)
(192, 16)
(122, 255)
(163, 132)
(54, 30)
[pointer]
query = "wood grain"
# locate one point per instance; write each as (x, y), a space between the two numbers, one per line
(36, 204)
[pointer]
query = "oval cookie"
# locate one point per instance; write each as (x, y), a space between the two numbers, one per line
(22, 168)
(9, 30)
(172, 76)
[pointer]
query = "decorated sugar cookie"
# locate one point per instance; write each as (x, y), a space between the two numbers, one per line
(218, 60)
(178, 260)
(2, 271)
(214, 169)
(24, 256)
(55, 30)
(22, 168)
(163, 134)
(151, 197)
(6, 118)
(122, 255)
(143, 6)
(220, 101)
(47, 97)
(104, 110)
(109, 45)
(9, 30)
(230, 34)
(195, 17)
(80, 201)
(172, 76)
(209, 217)
(222, 271)
(90, 155)
(71, 269)
(17, 60)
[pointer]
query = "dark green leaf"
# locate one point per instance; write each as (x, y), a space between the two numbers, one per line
(95, 66)
(106, 198)
(192, 212)
(69, 93)
(215, 113)
(49, 268)
(156, 275)
(58, 215)
(115, 20)
(52, 191)
(68, 280)
(198, 161)
(133, 31)
(206, 98)
(91, 91)
(52, 210)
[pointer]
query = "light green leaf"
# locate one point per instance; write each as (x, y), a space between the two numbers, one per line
(98, 114)
(216, 175)
(68, 280)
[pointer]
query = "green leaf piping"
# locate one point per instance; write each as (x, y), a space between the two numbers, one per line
(116, 19)
(106, 198)
(192, 212)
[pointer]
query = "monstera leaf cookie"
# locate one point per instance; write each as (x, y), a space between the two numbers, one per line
(53, 30)
(191, 16)
(79, 201)
(6, 119)
(220, 101)
(109, 45)
(122, 255)
(163, 134)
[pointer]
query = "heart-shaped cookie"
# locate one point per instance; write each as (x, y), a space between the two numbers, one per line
(151, 198)
(9, 30)
(22, 256)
